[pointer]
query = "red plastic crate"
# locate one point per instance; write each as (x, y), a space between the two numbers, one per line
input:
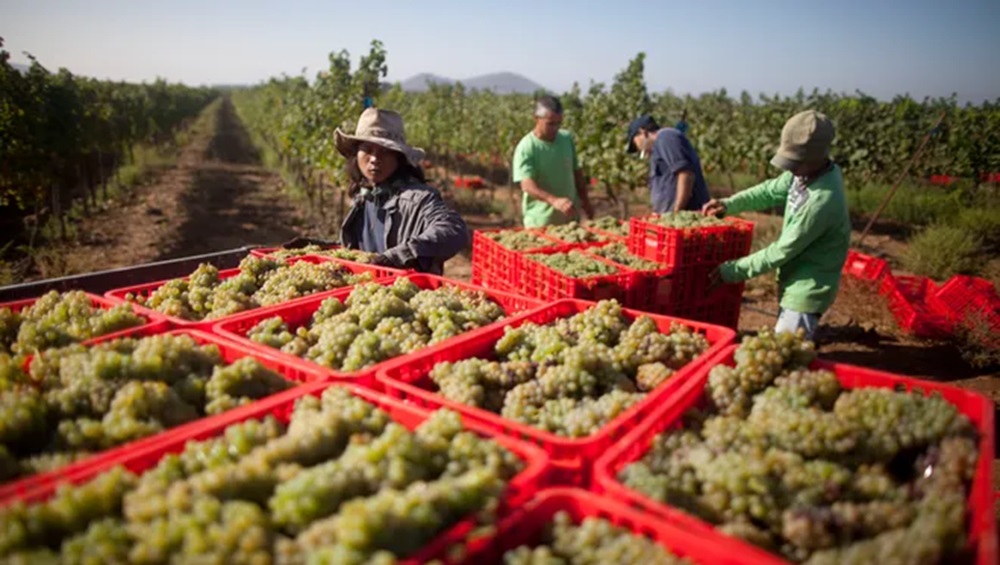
(914, 303)
(154, 320)
(141, 458)
(676, 247)
(667, 416)
(118, 295)
(527, 526)
(494, 262)
(407, 379)
(972, 301)
(721, 307)
(546, 283)
(230, 352)
(297, 313)
(865, 267)
(473, 182)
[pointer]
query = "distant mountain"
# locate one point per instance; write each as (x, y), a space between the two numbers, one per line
(420, 83)
(501, 83)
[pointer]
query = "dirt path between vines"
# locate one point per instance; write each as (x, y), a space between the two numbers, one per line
(217, 196)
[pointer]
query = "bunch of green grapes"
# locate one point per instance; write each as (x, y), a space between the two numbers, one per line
(79, 400)
(260, 282)
(339, 483)
(378, 322)
(575, 264)
(684, 219)
(571, 232)
(573, 376)
(610, 224)
(593, 541)
(788, 459)
(355, 255)
(618, 252)
(518, 240)
(58, 319)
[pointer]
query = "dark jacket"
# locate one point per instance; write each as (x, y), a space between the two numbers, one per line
(421, 231)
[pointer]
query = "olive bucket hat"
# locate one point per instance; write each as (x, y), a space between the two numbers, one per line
(381, 127)
(805, 139)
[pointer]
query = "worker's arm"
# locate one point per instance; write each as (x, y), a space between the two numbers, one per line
(685, 186)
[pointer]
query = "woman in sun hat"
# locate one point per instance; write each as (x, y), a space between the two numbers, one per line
(394, 213)
(809, 254)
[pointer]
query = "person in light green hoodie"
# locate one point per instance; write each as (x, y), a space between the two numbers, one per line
(809, 254)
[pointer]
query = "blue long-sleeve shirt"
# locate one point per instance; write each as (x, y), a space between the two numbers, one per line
(672, 153)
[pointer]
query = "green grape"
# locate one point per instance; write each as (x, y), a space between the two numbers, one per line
(58, 319)
(684, 219)
(610, 224)
(244, 380)
(517, 240)
(619, 253)
(575, 264)
(570, 232)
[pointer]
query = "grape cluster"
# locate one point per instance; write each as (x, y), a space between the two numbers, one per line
(518, 240)
(573, 376)
(55, 320)
(594, 541)
(260, 282)
(789, 460)
(571, 232)
(610, 224)
(339, 482)
(575, 264)
(355, 255)
(684, 219)
(86, 399)
(378, 322)
(619, 253)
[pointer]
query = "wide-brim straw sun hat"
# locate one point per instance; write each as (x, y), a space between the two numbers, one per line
(381, 127)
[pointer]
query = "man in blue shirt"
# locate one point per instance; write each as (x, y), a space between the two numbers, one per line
(675, 179)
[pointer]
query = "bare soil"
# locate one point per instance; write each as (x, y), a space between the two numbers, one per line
(218, 196)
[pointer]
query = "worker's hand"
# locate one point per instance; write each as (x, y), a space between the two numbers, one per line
(714, 280)
(714, 207)
(381, 260)
(564, 205)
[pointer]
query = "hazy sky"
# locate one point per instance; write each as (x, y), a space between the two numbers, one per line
(883, 47)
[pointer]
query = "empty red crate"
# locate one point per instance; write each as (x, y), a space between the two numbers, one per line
(865, 267)
(146, 289)
(544, 282)
(668, 414)
(972, 301)
(145, 456)
(914, 303)
(526, 528)
(154, 320)
(300, 312)
(408, 379)
(230, 353)
(682, 247)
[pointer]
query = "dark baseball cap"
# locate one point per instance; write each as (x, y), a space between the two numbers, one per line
(645, 122)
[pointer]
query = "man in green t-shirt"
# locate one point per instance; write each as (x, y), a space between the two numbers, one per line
(548, 171)
(809, 254)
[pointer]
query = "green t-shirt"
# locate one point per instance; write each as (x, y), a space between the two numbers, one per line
(812, 248)
(551, 165)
